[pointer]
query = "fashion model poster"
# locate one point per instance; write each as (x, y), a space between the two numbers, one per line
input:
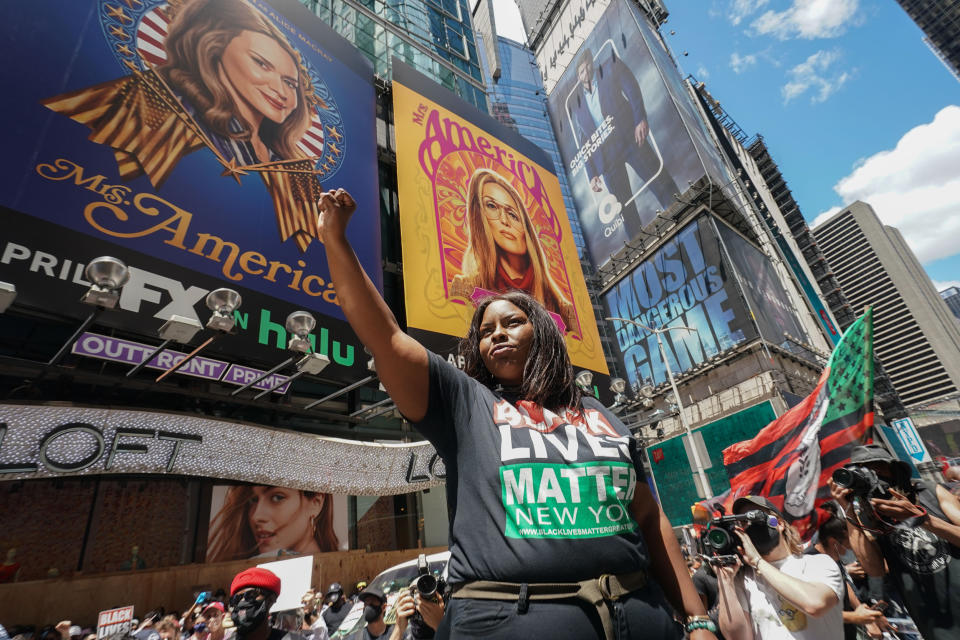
(481, 213)
(264, 521)
(196, 132)
(627, 132)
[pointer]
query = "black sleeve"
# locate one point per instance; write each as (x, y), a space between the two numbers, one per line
(449, 390)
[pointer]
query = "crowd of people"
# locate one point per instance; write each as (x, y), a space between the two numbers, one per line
(244, 614)
(875, 568)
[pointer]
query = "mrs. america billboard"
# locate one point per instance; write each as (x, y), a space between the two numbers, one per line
(194, 133)
(481, 212)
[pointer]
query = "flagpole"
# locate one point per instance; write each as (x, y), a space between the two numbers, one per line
(697, 464)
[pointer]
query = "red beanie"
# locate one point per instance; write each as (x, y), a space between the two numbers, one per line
(255, 577)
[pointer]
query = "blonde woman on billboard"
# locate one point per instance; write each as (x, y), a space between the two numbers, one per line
(265, 521)
(503, 249)
(554, 532)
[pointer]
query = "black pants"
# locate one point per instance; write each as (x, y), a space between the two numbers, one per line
(645, 162)
(645, 615)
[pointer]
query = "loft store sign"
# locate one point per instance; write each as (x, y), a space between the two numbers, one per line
(77, 446)
(51, 441)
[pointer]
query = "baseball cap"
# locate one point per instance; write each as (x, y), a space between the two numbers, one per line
(372, 591)
(746, 503)
(877, 453)
(215, 605)
(255, 577)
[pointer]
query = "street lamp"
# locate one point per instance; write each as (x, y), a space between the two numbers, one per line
(698, 465)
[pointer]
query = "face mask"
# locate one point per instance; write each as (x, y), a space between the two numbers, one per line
(764, 537)
(247, 616)
(371, 613)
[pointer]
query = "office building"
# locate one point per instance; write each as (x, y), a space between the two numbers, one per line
(885, 395)
(940, 21)
(915, 336)
(951, 295)
(435, 38)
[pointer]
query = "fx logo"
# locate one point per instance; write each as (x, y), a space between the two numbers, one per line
(145, 286)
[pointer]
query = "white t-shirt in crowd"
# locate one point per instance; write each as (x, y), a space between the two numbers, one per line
(776, 618)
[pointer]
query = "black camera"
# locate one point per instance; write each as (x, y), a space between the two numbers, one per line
(864, 484)
(720, 540)
(861, 481)
(429, 587)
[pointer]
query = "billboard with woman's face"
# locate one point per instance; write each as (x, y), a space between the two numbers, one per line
(481, 213)
(193, 133)
(263, 521)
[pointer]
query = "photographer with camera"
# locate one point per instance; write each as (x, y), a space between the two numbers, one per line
(914, 530)
(421, 608)
(770, 590)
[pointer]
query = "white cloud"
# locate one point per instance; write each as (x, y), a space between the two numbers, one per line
(826, 215)
(702, 73)
(814, 74)
(740, 9)
(940, 285)
(808, 19)
(915, 186)
(739, 63)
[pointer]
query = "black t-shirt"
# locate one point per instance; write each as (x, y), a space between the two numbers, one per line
(706, 584)
(369, 636)
(334, 617)
(926, 570)
(533, 496)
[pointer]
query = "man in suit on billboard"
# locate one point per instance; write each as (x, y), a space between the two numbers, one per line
(609, 97)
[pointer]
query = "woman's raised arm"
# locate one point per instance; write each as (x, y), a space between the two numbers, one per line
(402, 363)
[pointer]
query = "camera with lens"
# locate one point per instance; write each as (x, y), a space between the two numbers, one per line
(863, 484)
(861, 481)
(721, 541)
(429, 587)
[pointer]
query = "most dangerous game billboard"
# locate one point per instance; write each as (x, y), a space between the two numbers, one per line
(688, 283)
(193, 137)
(481, 212)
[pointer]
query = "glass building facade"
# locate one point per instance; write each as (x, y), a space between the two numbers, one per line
(433, 36)
(518, 100)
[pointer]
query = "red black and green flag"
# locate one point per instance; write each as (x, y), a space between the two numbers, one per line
(790, 460)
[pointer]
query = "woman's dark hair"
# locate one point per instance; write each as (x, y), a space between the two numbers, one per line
(548, 375)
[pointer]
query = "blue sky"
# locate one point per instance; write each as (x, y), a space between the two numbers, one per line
(851, 103)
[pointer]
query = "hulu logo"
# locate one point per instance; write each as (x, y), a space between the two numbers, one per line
(270, 332)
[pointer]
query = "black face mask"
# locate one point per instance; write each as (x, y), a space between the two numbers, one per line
(371, 613)
(248, 615)
(764, 537)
